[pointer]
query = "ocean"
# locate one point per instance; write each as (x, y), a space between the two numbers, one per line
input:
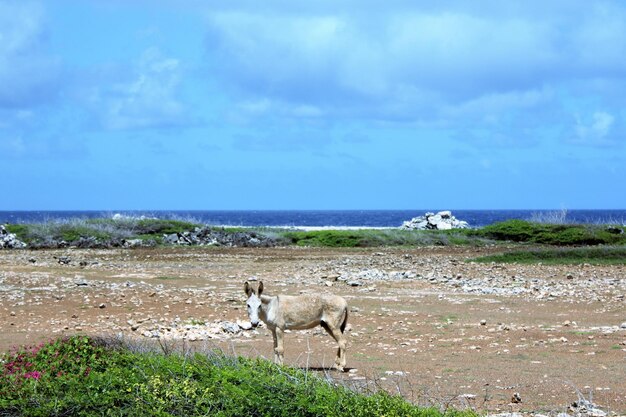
(317, 218)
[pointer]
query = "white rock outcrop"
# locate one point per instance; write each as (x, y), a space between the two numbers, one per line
(443, 220)
(9, 240)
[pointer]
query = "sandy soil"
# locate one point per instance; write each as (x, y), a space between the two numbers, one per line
(423, 322)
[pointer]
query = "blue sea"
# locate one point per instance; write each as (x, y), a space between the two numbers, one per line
(318, 218)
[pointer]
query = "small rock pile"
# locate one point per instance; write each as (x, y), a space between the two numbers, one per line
(192, 332)
(9, 240)
(206, 236)
(443, 220)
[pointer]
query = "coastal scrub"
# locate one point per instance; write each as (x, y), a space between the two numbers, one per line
(83, 376)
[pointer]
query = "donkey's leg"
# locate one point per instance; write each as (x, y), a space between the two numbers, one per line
(278, 345)
(340, 361)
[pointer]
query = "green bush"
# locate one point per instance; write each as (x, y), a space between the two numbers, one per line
(20, 230)
(72, 233)
(513, 230)
(107, 381)
(104, 230)
(552, 234)
(380, 237)
(327, 238)
(158, 226)
(599, 255)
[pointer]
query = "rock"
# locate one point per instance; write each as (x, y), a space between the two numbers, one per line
(171, 238)
(244, 325)
(586, 407)
(9, 240)
(516, 398)
(443, 226)
(623, 325)
(443, 220)
(88, 242)
(64, 260)
(208, 236)
(230, 327)
(133, 243)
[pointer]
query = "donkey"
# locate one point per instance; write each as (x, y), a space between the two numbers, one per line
(281, 312)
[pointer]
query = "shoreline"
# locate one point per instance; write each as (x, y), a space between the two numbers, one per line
(306, 219)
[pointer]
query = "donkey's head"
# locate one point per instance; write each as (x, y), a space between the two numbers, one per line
(254, 301)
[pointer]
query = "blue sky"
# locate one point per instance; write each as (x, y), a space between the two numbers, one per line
(357, 104)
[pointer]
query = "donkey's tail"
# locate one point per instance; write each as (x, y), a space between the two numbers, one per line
(345, 319)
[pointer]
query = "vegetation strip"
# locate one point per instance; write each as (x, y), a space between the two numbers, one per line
(150, 232)
(585, 255)
(85, 376)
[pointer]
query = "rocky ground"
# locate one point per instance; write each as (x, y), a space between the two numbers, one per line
(423, 323)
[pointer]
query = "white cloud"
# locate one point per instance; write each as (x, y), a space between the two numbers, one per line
(333, 55)
(149, 99)
(494, 68)
(595, 129)
(28, 73)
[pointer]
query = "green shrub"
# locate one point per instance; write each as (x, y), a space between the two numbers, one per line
(158, 226)
(326, 238)
(513, 230)
(104, 230)
(591, 255)
(380, 237)
(20, 230)
(71, 233)
(106, 381)
(553, 234)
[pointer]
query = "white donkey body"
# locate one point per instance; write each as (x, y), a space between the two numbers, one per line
(282, 312)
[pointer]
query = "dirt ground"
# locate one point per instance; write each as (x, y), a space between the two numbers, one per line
(423, 322)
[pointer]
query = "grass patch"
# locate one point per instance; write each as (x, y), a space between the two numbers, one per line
(380, 237)
(103, 230)
(557, 256)
(553, 234)
(83, 376)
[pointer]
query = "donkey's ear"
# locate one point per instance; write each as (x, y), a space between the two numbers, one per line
(247, 289)
(260, 288)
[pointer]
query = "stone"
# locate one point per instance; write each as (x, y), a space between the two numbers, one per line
(171, 238)
(133, 243)
(9, 240)
(443, 220)
(444, 226)
(230, 327)
(64, 260)
(244, 325)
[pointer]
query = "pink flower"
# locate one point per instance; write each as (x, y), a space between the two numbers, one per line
(33, 374)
